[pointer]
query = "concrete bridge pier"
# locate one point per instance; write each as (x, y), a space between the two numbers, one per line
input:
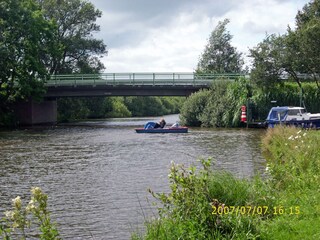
(33, 113)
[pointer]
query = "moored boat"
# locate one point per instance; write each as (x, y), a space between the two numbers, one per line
(296, 116)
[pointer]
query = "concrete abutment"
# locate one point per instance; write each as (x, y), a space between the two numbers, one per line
(35, 113)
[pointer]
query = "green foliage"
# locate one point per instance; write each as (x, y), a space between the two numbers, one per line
(71, 109)
(193, 108)
(119, 109)
(219, 55)
(287, 94)
(79, 51)
(187, 211)
(24, 220)
(293, 53)
(97, 106)
(218, 107)
(153, 106)
(267, 63)
(293, 158)
(26, 36)
(44, 37)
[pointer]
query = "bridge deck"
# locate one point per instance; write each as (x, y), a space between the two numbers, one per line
(134, 79)
(131, 84)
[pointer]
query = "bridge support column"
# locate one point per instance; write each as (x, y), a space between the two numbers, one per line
(33, 113)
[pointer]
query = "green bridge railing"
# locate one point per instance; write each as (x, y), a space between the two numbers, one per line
(137, 79)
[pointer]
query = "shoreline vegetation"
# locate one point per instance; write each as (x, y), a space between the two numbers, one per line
(206, 204)
(220, 106)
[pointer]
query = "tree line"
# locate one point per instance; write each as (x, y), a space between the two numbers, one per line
(278, 63)
(70, 109)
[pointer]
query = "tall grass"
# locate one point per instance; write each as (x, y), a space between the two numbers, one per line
(293, 157)
(290, 194)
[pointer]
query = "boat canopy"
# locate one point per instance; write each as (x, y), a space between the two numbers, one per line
(278, 113)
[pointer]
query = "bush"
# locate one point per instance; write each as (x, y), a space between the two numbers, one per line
(218, 107)
(193, 108)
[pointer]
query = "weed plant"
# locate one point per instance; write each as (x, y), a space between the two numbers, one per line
(29, 222)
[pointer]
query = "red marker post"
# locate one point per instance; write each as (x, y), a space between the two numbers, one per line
(243, 114)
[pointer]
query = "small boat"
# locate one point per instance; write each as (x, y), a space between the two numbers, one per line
(149, 128)
(296, 116)
(163, 130)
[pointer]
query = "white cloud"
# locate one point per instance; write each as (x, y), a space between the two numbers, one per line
(173, 42)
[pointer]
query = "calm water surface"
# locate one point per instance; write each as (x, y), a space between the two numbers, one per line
(97, 173)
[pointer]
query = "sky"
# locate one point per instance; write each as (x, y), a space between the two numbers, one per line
(170, 35)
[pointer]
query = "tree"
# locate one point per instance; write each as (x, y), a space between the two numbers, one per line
(219, 55)
(25, 37)
(267, 66)
(294, 53)
(78, 51)
(308, 39)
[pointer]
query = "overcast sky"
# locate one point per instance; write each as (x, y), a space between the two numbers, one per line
(170, 35)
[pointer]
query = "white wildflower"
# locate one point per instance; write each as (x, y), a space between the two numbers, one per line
(304, 134)
(9, 214)
(296, 147)
(299, 132)
(29, 208)
(36, 191)
(17, 202)
(291, 137)
(296, 137)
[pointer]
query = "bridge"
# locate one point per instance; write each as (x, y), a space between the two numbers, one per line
(112, 84)
(131, 84)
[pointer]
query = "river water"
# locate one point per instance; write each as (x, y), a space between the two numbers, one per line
(97, 173)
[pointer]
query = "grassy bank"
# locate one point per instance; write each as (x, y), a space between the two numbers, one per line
(204, 204)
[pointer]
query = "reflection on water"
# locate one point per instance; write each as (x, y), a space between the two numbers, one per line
(97, 173)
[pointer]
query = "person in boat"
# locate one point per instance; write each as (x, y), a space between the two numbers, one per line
(160, 124)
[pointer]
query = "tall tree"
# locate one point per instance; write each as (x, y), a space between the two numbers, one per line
(25, 38)
(267, 66)
(79, 50)
(219, 55)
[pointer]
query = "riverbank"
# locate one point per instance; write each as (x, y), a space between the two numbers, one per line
(285, 205)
